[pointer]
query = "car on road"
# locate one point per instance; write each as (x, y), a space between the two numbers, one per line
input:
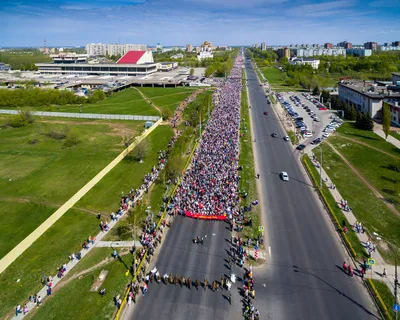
(286, 138)
(265, 113)
(284, 176)
(300, 147)
(307, 135)
(274, 135)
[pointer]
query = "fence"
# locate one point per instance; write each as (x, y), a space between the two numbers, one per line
(85, 115)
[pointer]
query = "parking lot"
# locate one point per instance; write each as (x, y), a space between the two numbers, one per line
(312, 120)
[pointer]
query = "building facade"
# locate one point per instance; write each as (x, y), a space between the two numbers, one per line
(328, 45)
(189, 48)
(314, 63)
(345, 44)
(359, 52)
(96, 49)
(72, 57)
(312, 52)
(263, 46)
(371, 46)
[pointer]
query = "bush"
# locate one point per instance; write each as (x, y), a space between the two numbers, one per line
(364, 122)
(72, 139)
(17, 121)
(166, 114)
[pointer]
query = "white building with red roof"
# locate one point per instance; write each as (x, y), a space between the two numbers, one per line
(136, 57)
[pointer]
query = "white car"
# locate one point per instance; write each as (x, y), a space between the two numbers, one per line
(326, 135)
(286, 138)
(284, 176)
(307, 135)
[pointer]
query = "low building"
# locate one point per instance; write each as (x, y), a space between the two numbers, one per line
(72, 57)
(167, 66)
(314, 63)
(177, 56)
(367, 96)
(396, 78)
(359, 52)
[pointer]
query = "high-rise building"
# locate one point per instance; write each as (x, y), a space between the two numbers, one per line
(96, 49)
(396, 44)
(371, 46)
(121, 49)
(345, 44)
(263, 46)
(328, 45)
(189, 48)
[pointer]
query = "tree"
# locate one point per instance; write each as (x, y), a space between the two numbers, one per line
(174, 167)
(315, 91)
(364, 122)
(191, 71)
(325, 96)
(386, 119)
(141, 150)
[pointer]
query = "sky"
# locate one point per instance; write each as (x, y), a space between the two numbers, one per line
(179, 22)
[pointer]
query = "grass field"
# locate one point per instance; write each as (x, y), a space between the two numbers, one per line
(75, 301)
(68, 234)
(45, 255)
(104, 196)
(36, 178)
(247, 182)
(372, 212)
(386, 295)
(129, 101)
(276, 80)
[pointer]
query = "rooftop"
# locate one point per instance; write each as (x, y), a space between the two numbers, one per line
(94, 65)
(131, 57)
(368, 88)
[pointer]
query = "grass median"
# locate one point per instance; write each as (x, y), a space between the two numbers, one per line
(383, 296)
(247, 182)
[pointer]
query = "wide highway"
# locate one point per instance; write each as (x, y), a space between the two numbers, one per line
(302, 277)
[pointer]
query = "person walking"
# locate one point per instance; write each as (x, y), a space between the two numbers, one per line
(222, 282)
(183, 281)
(205, 284)
(197, 284)
(189, 282)
(384, 273)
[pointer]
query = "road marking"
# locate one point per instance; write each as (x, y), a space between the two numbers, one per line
(264, 285)
(269, 251)
(213, 234)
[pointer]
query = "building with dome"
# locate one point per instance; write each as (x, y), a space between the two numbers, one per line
(205, 51)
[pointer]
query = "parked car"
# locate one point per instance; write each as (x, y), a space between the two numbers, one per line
(300, 147)
(286, 138)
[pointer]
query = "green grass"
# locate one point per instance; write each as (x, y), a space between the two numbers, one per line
(369, 137)
(340, 216)
(293, 138)
(150, 92)
(247, 182)
(35, 179)
(379, 170)
(18, 220)
(75, 301)
(386, 295)
(104, 196)
(45, 255)
(276, 80)
(372, 212)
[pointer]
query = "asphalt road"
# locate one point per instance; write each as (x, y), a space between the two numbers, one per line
(302, 278)
(179, 255)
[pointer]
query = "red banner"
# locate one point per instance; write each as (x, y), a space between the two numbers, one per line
(204, 217)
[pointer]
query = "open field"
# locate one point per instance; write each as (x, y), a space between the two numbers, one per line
(370, 210)
(40, 172)
(68, 234)
(129, 101)
(276, 80)
(75, 301)
(129, 173)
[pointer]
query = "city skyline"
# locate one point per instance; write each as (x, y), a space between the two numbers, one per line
(76, 23)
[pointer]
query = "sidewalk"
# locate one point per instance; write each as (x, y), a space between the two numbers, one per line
(119, 244)
(390, 139)
(377, 270)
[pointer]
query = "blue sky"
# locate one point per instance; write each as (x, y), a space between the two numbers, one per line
(178, 22)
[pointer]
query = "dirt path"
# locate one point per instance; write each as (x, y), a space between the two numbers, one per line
(148, 100)
(367, 145)
(376, 192)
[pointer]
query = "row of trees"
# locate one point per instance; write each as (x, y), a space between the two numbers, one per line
(23, 60)
(35, 97)
(263, 58)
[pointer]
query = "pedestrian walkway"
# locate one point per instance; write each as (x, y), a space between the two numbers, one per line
(86, 115)
(39, 231)
(119, 244)
(389, 139)
(377, 271)
(96, 243)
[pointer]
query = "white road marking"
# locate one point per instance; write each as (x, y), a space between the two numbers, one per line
(213, 234)
(269, 251)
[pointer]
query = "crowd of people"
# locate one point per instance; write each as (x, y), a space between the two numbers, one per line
(210, 185)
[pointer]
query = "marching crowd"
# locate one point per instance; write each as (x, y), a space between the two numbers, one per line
(210, 185)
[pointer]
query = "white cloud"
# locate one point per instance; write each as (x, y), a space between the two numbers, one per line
(320, 9)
